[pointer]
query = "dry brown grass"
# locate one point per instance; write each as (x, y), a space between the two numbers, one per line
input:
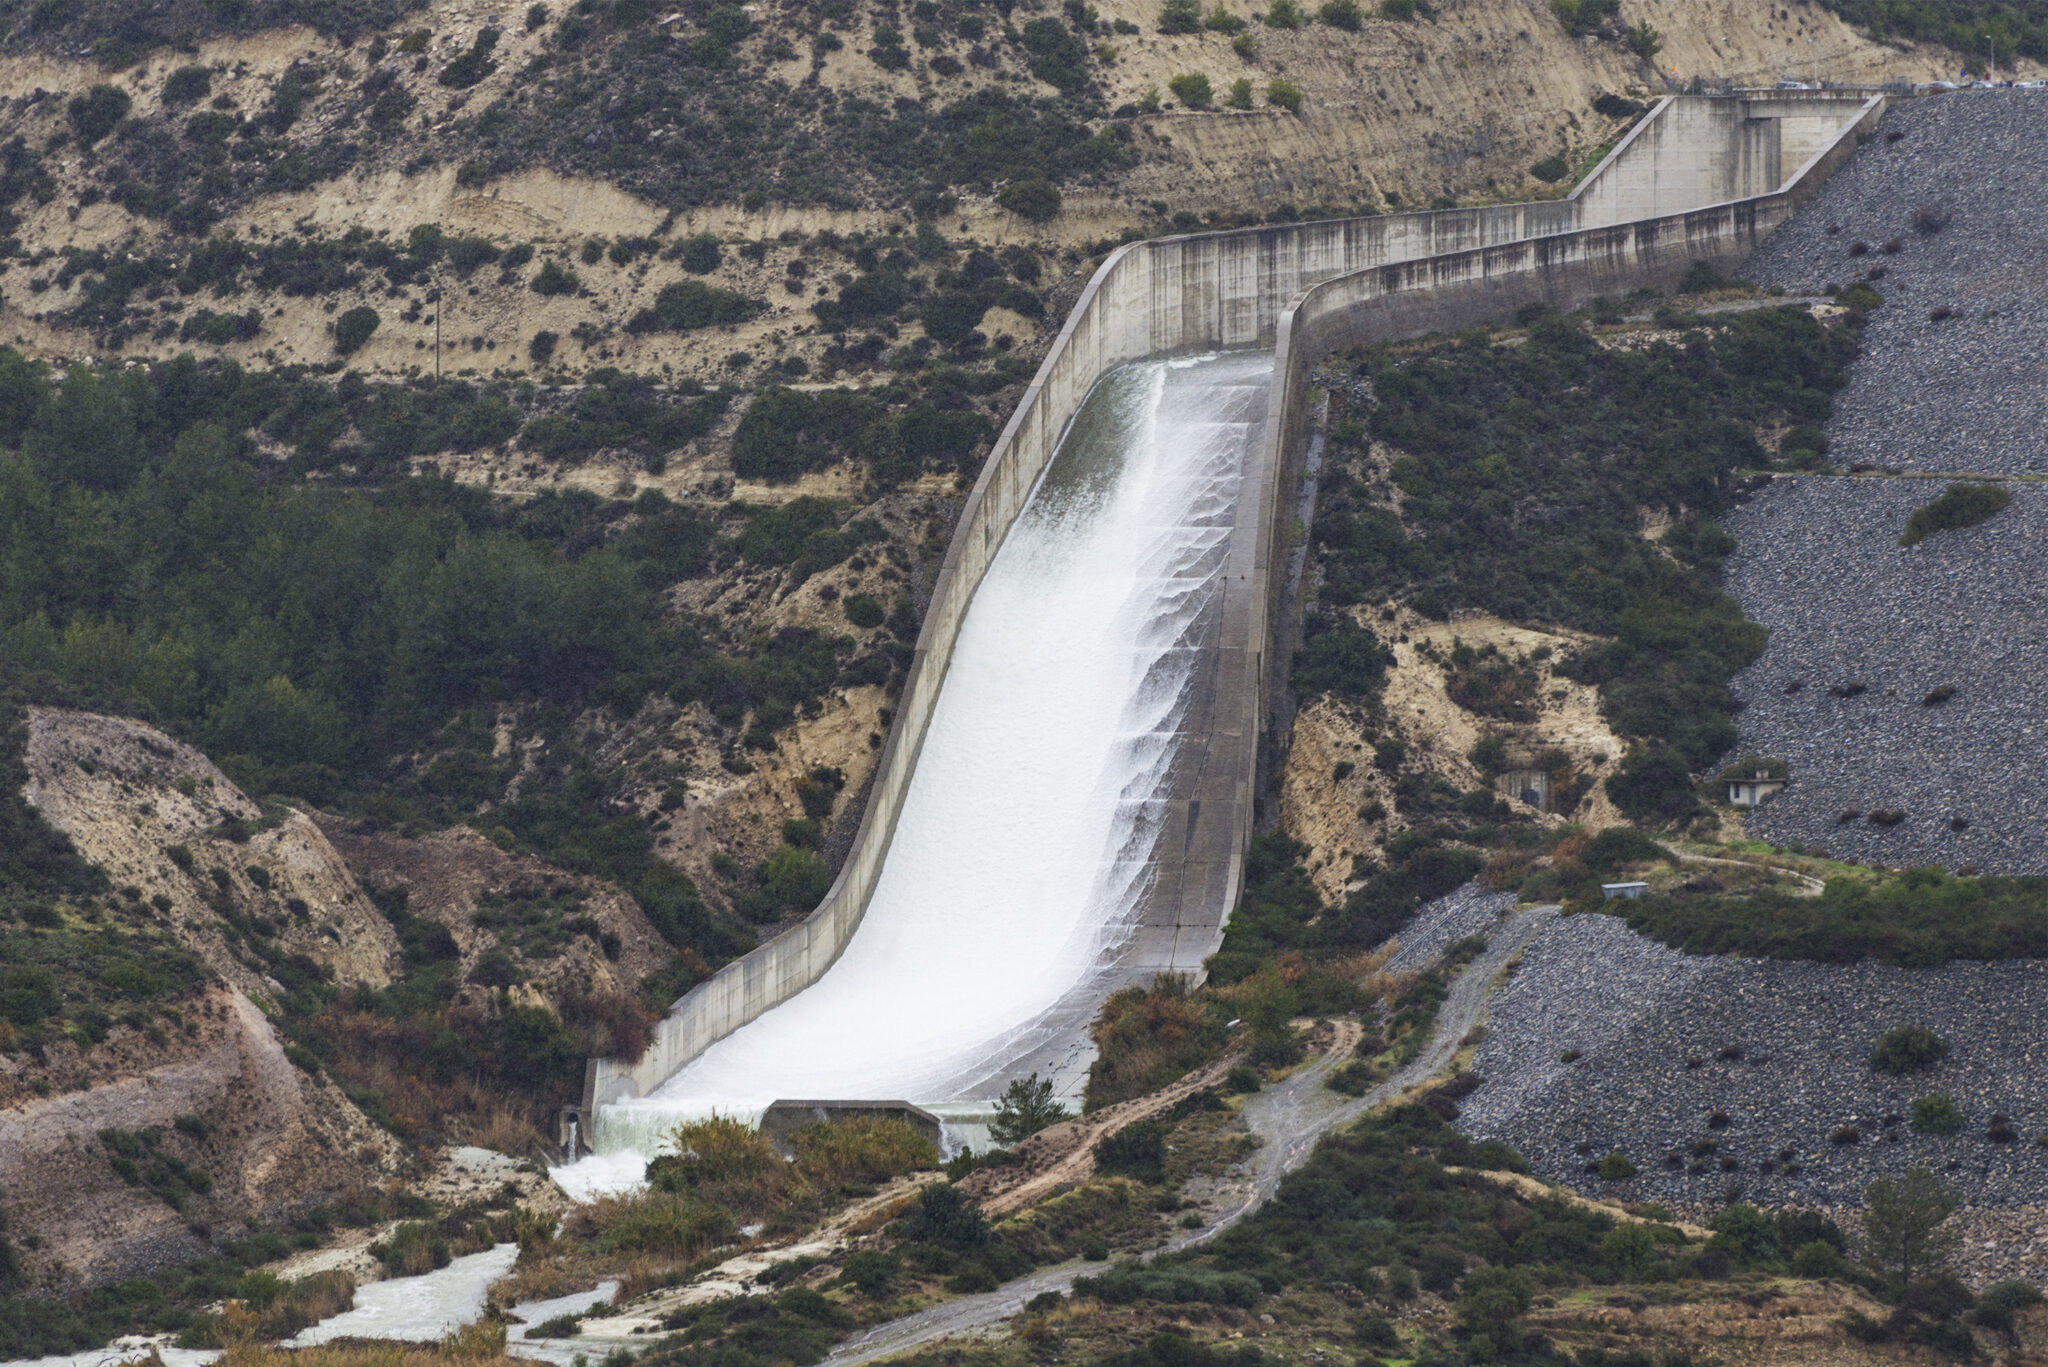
(1145, 1038)
(539, 1279)
(644, 1274)
(485, 1347)
(504, 1130)
(732, 1166)
(272, 1308)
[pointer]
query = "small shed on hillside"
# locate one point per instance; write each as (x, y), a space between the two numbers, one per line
(1752, 782)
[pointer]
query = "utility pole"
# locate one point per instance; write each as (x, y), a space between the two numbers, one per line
(440, 302)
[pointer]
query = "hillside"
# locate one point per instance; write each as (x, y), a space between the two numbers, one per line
(470, 479)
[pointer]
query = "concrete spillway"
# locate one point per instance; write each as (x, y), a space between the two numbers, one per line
(1012, 897)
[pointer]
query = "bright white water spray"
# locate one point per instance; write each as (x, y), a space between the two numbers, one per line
(1023, 846)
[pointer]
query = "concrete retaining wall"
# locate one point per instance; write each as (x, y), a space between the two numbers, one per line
(1216, 290)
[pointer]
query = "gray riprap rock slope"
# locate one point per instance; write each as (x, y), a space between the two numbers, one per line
(1639, 1013)
(1819, 564)
(1473, 909)
(1969, 393)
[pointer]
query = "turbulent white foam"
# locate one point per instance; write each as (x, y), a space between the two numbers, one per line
(1021, 850)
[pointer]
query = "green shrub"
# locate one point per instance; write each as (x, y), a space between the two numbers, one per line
(1221, 20)
(1032, 197)
(1343, 14)
(664, 1223)
(1615, 1167)
(1137, 1150)
(686, 305)
(1937, 1113)
(699, 254)
(1339, 657)
(1283, 14)
(553, 278)
(1818, 1259)
(1653, 786)
(1240, 94)
(475, 64)
(1619, 845)
(1128, 1282)
(2000, 1301)
(1919, 918)
(945, 1217)
(353, 328)
(94, 113)
(1907, 1049)
(1284, 94)
(1960, 505)
(863, 610)
(1056, 54)
(1180, 16)
(188, 85)
(1552, 169)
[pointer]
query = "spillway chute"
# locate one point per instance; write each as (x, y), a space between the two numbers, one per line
(1028, 841)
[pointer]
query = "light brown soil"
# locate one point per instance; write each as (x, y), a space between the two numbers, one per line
(446, 873)
(278, 1141)
(1461, 105)
(1322, 811)
(117, 788)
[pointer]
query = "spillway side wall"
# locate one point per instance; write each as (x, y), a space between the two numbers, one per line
(1444, 293)
(1168, 296)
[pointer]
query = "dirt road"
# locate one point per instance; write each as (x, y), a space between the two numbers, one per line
(1290, 1117)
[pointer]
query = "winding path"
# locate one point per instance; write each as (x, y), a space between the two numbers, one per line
(1290, 1117)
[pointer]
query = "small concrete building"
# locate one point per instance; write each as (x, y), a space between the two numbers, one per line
(1752, 782)
(1632, 891)
(1754, 791)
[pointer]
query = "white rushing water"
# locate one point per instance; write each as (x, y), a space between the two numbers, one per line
(533, 1314)
(420, 1309)
(1022, 847)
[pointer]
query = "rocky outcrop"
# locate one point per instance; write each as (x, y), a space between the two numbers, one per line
(163, 820)
(220, 1098)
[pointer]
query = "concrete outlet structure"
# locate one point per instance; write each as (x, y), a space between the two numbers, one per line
(1698, 178)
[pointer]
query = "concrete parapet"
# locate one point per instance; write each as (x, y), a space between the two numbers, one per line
(1306, 288)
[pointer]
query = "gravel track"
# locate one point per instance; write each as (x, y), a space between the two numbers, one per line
(1640, 1014)
(1290, 1116)
(1818, 562)
(1969, 393)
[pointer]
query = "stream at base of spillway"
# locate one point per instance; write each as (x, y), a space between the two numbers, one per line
(420, 1309)
(1025, 841)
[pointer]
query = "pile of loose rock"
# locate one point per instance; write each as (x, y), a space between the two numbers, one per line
(1948, 207)
(1721, 1076)
(1471, 910)
(1904, 685)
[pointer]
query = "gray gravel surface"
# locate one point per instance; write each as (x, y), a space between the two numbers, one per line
(1651, 1026)
(1820, 565)
(1971, 392)
(1471, 910)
